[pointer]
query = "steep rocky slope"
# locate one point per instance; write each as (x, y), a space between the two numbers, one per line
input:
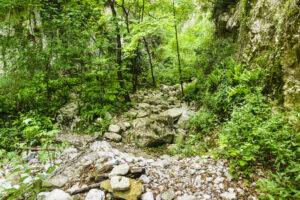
(267, 31)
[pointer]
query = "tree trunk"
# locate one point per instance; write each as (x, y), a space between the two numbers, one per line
(150, 61)
(178, 52)
(119, 52)
(148, 50)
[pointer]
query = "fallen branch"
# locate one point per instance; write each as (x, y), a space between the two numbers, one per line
(35, 148)
(85, 189)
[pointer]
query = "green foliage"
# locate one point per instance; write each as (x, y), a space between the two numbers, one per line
(204, 121)
(29, 130)
(256, 135)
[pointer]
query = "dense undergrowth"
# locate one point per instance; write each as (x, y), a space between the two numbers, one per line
(240, 114)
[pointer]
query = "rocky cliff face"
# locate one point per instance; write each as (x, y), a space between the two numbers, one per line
(269, 30)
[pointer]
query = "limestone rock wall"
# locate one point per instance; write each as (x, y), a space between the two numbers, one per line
(269, 29)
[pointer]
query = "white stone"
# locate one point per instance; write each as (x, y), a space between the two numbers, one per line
(114, 128)
(119, 183)
(54, 195)
(95, 194)
(228, 195)
(112, 162)
(145, 179)
(122, 169)
(148, 196)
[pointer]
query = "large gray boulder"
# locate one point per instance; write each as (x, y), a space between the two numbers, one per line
(67, 114)
(153, 131)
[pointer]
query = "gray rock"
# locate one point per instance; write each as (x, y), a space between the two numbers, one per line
(54, 195)
(127, 125)
(168, 195)
(112, 136)
(186, 197)
(95, 194)
(119, 183)
(67, 113)
(148, 196)
(112, 162)
(58, 181)
(173, 113)
(114, 128)
(28, 156)
(152, 131)
(122, 169)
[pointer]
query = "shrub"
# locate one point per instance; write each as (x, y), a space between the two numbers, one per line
(256, 135)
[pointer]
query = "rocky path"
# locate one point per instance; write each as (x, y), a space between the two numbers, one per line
(108, 168)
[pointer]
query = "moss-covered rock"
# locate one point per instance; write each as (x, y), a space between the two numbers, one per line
(134, 192)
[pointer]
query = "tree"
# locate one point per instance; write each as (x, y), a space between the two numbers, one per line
(177, 46)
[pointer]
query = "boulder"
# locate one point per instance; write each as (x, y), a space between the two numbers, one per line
(152, 131)
(134, 192)
(95, 194)
(173, 114)
(67, 113)
(112, 136)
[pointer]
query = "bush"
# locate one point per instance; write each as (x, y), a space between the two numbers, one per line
(256, 135)
(204, 121)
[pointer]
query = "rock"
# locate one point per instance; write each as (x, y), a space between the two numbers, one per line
(112, 162)
(119, 183)
(114, 128)
(136, 172)
(29, 156)
(133, 193)
(54, 195)
(143, 105)
(95, 194)
(4, 185)
(145, 179)
(67, 113)
(42, 195)
(228, 195)
(168, 195)
(127, 125)
(186, 197)
(112, 136)
(148, 196)
(58, 181)
(122, 169)
(152, 131)
(142, 114)
(173, 113)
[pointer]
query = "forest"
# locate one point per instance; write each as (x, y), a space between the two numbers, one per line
(149, 99)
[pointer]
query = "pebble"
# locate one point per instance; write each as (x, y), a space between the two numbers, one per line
(148, 196)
